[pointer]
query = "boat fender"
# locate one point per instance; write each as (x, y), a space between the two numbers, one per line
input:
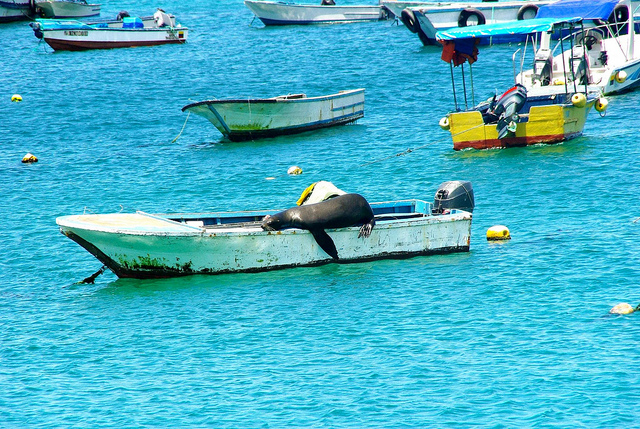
(122, 14)
(294, 170)
(29, 158)
(579, 100)
(527, 9)
(463, 19)
(623, 308)
(444, 123)
(409, 20)
(601, 104)
(621, 76)
(16, 98)
(498, 232)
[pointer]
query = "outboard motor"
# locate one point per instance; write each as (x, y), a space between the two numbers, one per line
(507, 109)
(456, 194)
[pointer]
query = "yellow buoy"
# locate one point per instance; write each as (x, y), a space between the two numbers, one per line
(558, 81)
(601, 104)
(498, 232)
(579, 100)
(444, 123)
(623, 308)
(29, 157)
(294, 170)
(621, 76)
(16, 98)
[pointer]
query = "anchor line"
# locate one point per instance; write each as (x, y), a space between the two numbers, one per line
(417, 148)
(183, 125)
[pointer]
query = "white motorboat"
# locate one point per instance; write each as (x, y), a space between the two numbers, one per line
(67, 9)
(281, 13)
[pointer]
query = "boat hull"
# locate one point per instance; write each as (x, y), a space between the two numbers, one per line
(145, 246)
(67, 9)
(434, 17)
(109, 38)
(278, 13)
(545, 124)
(241, 120)
(18, 10)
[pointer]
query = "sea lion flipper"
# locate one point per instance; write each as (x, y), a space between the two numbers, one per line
(325, 242)
(365, 230)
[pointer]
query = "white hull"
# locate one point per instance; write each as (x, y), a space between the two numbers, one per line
(17, 10)
(278, 13)
(255, 118)
(602, 74)
(67, 9)
(142, 246)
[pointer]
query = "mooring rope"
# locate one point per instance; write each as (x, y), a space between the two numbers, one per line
(183, 125)
(92, 278)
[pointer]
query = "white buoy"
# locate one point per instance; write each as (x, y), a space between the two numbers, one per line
(16, 98)
(623, 308)
(601, 104)
(29, 157)
(294, 170)
(621, 76)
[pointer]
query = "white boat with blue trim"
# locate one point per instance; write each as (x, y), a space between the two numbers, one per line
(249, 119)
(142, 245)
(17, 10)
(606, 56)
(281, 13)
(124, 32)
(67, 9)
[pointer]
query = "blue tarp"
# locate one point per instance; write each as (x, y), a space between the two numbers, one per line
(523, 27)
(592, 9)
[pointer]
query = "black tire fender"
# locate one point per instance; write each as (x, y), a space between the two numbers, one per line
(526, 8)
(468, 13)
(409, 20)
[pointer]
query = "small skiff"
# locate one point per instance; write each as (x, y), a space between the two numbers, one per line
(250, 119)
(142, 245)
(281, 13)
(67, 9)
(72, 35)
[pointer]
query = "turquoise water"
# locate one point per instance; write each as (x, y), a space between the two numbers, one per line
(512, 334)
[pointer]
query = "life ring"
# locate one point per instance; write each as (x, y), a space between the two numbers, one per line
(527, 8)
(409, 20)
(619, 17)
(463, 19)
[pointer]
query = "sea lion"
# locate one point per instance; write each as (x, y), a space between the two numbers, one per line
(338, 212)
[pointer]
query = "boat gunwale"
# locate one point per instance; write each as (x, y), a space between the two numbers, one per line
(280, 99)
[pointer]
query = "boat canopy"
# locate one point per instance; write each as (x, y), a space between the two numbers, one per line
(460, 44)
(592, 9)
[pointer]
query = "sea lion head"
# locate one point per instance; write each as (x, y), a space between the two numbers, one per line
(271, 223)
